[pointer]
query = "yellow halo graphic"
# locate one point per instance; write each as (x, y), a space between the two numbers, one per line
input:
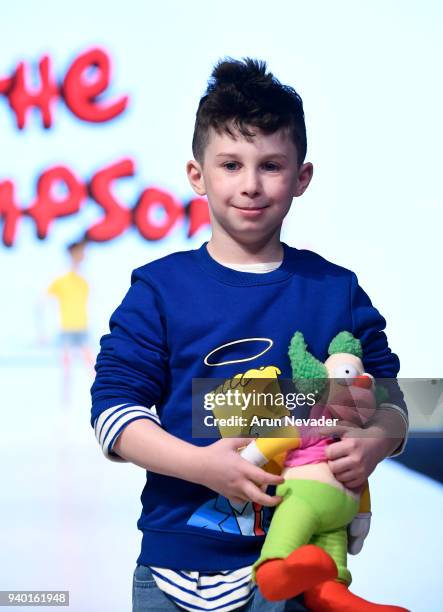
(219, 348)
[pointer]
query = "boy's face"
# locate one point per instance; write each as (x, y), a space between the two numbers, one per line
(249, 184)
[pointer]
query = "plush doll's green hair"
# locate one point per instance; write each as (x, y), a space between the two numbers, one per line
(309, 373)
(344, 342)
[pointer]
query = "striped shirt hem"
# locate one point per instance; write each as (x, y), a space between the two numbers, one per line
(215, 591)
(111, 422)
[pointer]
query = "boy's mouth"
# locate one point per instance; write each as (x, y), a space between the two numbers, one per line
(250, 209)
(251, 213)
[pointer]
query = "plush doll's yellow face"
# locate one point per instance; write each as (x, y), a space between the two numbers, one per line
(351, 390)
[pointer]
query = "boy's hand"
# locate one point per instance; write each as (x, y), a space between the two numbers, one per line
(358, 452)
(355, 456)
(224, 471)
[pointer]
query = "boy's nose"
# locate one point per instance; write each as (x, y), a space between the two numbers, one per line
(251, 184)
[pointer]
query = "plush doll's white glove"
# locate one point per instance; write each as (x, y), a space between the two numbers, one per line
(358, 529)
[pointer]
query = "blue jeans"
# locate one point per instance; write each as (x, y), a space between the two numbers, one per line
(147, 597)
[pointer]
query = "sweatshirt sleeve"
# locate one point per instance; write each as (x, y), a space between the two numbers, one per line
(378, 359)
(131, 365)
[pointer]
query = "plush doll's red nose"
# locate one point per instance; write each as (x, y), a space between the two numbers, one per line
(363, 381)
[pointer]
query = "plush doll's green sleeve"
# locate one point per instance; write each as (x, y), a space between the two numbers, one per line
(305, 548)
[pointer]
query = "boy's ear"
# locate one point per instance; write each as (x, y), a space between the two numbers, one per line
(305, 173)
(195, 177)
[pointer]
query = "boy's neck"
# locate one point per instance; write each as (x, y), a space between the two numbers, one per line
(225, 249)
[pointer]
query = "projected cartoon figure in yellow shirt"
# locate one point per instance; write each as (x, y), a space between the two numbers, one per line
(71, 291)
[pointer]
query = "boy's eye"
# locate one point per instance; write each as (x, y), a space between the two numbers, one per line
(271, 167)
(230, 165)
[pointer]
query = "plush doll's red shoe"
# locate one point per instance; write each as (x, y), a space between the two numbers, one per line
(307, 566)
(333, 596)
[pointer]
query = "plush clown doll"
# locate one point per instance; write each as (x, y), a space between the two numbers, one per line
(305, 550)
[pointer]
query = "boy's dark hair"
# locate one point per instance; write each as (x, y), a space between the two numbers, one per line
(242, 94)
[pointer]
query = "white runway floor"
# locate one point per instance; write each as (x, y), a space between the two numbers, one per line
(68, 516)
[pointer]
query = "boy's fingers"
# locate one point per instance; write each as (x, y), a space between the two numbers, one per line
(336, 451)
(355, 484)
(340, 465)
(261, 477)
(346, 477)
(267, 500)
(350, 480)
(273, 479)
(255, 494)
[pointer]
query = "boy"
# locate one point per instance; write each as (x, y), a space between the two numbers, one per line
(202, 313)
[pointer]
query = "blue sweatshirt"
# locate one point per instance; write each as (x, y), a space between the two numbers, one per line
(171, 327)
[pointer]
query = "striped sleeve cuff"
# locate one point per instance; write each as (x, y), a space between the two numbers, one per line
(112, 422)
(404, 415)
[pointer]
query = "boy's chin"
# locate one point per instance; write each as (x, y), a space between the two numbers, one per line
(252, 231)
